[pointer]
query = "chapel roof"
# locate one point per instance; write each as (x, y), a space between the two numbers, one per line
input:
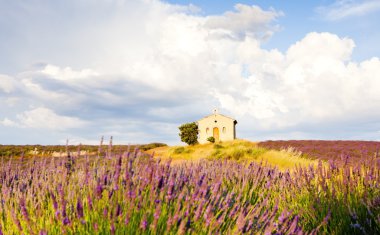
(218, 115)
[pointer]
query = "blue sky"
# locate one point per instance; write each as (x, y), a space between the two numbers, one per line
(136, 70)
(301, 17)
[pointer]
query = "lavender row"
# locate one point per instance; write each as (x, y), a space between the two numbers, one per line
(135, 193)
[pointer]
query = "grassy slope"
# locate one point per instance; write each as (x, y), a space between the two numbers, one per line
(240, 150)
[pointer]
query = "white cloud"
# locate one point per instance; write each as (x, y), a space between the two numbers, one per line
(6, 83)
(44, 118)
(315, 81)
(7, 122)
(320, 46)
(348, 8)
(247, 20)
(66, 73)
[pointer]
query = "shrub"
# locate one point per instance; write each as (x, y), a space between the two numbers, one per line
(151, 146)
(237, 154)
(211, 139)
(218, 146)
(255, 152)
(217, 154)
(179, 150)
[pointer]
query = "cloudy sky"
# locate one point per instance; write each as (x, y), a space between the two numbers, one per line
(137, 69)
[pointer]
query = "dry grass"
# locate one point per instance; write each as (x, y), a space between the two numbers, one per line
(239, 150)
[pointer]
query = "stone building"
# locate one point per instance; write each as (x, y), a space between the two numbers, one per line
(221, 127)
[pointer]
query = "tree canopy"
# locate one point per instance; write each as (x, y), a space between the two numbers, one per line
(189, 133)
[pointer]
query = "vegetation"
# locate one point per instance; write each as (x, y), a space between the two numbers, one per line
(48, 150)
(134, 193)
(342, 152)
(211, 139)
(240, 150)
(189, 133)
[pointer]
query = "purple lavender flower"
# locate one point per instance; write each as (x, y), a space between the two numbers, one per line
(55, 203)
(105, 213)
(111, 193)
(16, 221)
(42, 232)
(126, 221)
(24, 210)
(66, 221)
(79, 208)
(118, 210)
(144, 223)
(89, 201)
(99, 190)
(112, 229)
(240, 223)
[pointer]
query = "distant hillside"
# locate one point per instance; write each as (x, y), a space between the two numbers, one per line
(340, 151)
(56, 150)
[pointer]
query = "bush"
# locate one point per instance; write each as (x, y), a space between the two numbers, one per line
(179, 150)
(211, 139)
(237, 154)
(218, 146)
(255, 152)
(146, 147)
(189, 133)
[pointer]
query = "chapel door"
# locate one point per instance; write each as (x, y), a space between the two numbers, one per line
(216, 134)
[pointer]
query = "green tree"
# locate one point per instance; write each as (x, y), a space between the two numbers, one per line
(189, 133)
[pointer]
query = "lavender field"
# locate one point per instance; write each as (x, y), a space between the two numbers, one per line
(135, 193)
(343, 152)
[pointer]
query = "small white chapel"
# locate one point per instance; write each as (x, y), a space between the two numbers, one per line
(219, 126)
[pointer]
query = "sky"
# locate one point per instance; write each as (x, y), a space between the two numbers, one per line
(78, 70)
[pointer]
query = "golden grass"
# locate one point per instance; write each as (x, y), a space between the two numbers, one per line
(239, 150)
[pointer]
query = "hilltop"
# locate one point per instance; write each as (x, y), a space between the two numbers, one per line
(239, 150)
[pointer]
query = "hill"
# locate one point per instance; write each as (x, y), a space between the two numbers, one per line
(342, 152)
(239, 150)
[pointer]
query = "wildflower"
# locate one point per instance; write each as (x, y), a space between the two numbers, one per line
(66, 221)
(80, 208)
(126, 221)
(118, 210)
(144, 223)
(105, 212)
(89, 201)
(207, 215)
(160, 182)
(24, 210)
(99, 190)
(42, 232)
(169, 224)
(112, 229)
(55, 203)
(241, 222)
(182, 227)
(110, 194)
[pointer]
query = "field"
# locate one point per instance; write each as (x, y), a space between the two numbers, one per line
(228, 188)
(342, 152)
(238, 150)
